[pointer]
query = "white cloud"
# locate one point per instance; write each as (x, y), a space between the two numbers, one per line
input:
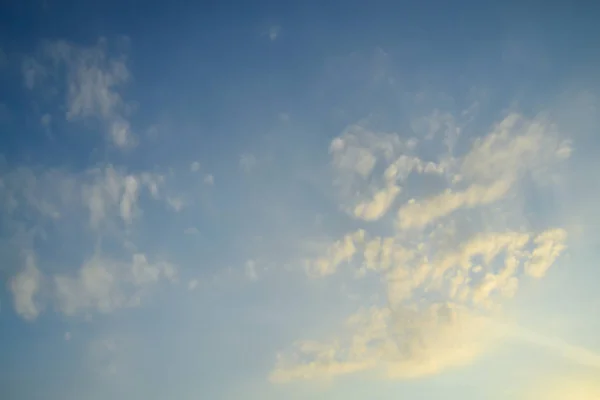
(104, 284)
(378, 206)
(195, 166)
(550, 245)
(176, 203)
(92, 84)
(369, 166)
(274, 32)
(420, 214)
(339, 252)
(250, 270)
(444, 284)
(515, 145)
(114, 192)
(106, 194)
(25, 287)
(209, 179)
(492, 167)
(44, 194)
(402, 344)
(192, 284)
(247, 162)
(46, 120)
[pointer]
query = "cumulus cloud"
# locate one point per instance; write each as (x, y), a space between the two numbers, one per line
(550, 245)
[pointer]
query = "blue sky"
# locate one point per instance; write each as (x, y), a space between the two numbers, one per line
(319, 200)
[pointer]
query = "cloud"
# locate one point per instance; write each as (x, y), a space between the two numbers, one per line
(92, 82)
(53, 205)
(550, 245)
(46, 120)
(492, 167)
(418, 334)
(113, 192)
(105, 193)
(25, 287)
(193, 284)
(104, 284)
(378, 206)
(341, 251)
(369, 168)
(420, 214)
(274, 32)
(402, 344)
(195, 166)
(445, 274)
(247, 162)
(209, 179)
(176, 203)
(250, 270)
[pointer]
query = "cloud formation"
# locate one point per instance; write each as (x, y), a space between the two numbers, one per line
(101, 202)
(104, 285)
(90, 79)
(25, 287)
(446, 271)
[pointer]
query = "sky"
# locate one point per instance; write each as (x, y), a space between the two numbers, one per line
(334, 200)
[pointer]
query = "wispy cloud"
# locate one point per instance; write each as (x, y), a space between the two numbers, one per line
(25, 287)
(247, 162)
(441, 285)
(104, 285)
(91, 84)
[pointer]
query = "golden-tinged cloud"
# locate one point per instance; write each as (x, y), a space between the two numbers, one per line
(443, 285)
